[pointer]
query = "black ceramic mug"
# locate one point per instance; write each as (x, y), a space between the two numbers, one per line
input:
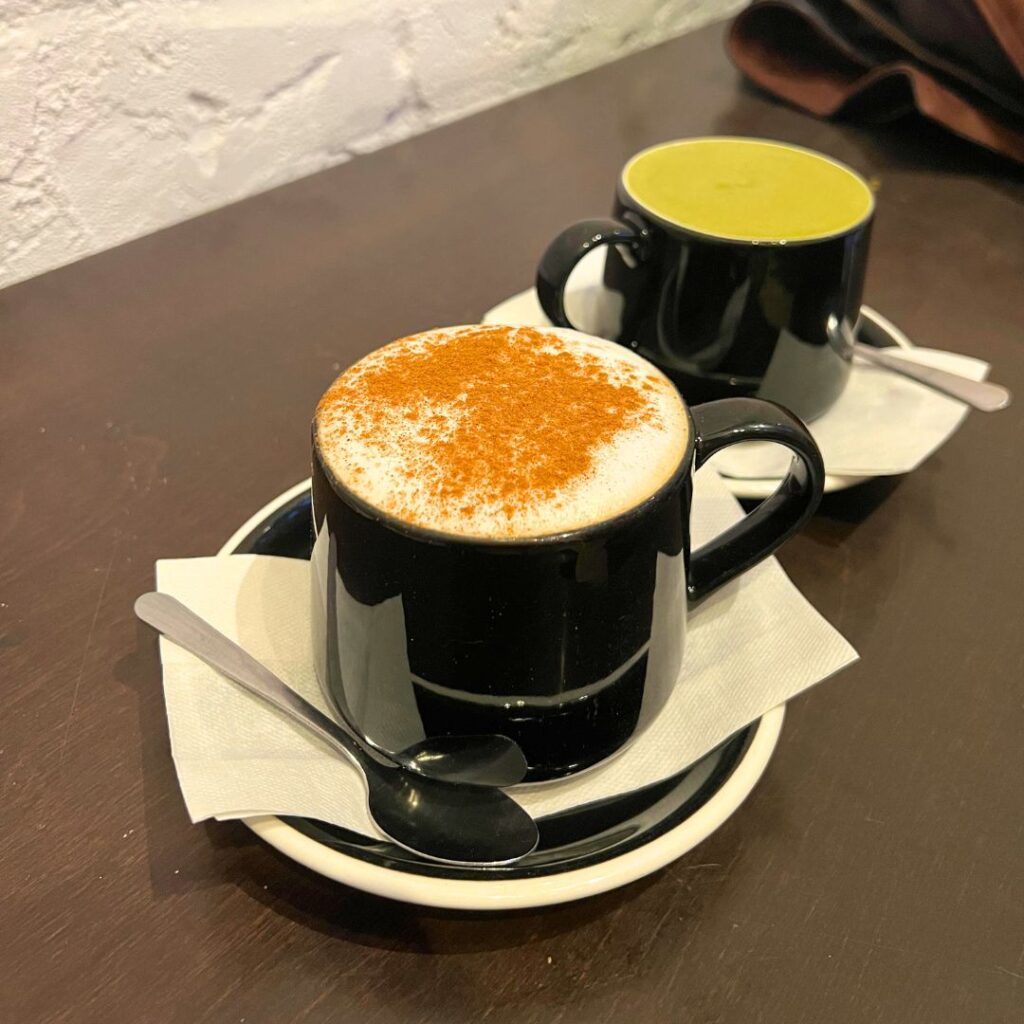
(740, 263)
(569, 644)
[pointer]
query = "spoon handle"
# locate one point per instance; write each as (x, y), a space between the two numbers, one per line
(169, 616)
(979, 394)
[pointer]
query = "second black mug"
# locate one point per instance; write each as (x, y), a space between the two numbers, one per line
(740, 263)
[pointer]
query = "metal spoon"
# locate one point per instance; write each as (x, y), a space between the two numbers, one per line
(979, 394)
(442, 821)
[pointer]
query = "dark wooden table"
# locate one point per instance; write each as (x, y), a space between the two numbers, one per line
(152, 397)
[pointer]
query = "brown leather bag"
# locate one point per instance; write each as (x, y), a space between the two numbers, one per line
(958, 62)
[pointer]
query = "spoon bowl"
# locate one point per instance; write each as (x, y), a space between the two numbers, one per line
(450, 822)
(475, 760)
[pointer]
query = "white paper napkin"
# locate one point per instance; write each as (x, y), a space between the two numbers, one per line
(752, 645)
(882, 424)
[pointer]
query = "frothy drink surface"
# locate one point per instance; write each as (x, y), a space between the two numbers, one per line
(502, 432)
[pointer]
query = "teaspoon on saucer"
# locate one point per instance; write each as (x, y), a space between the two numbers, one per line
(440, 820)
(978, 394)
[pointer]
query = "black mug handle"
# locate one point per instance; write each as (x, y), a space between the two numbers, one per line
(571, 245)
(728, 421)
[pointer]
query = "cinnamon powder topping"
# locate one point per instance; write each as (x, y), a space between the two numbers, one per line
(498, 431)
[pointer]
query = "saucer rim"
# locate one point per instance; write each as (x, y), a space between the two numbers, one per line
(519, 893)
(510, 894)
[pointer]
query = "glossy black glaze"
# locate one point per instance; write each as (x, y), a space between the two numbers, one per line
(568, 645)
(548, 642)
(571, 839)
(723, 317)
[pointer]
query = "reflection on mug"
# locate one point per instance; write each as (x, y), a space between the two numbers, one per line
(363, 663)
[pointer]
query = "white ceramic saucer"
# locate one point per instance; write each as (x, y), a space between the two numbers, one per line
(583, 299)
(582, 852)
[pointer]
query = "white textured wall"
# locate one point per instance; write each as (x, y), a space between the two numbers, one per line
(118, 117)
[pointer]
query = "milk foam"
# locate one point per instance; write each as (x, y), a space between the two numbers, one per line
(389, 467)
